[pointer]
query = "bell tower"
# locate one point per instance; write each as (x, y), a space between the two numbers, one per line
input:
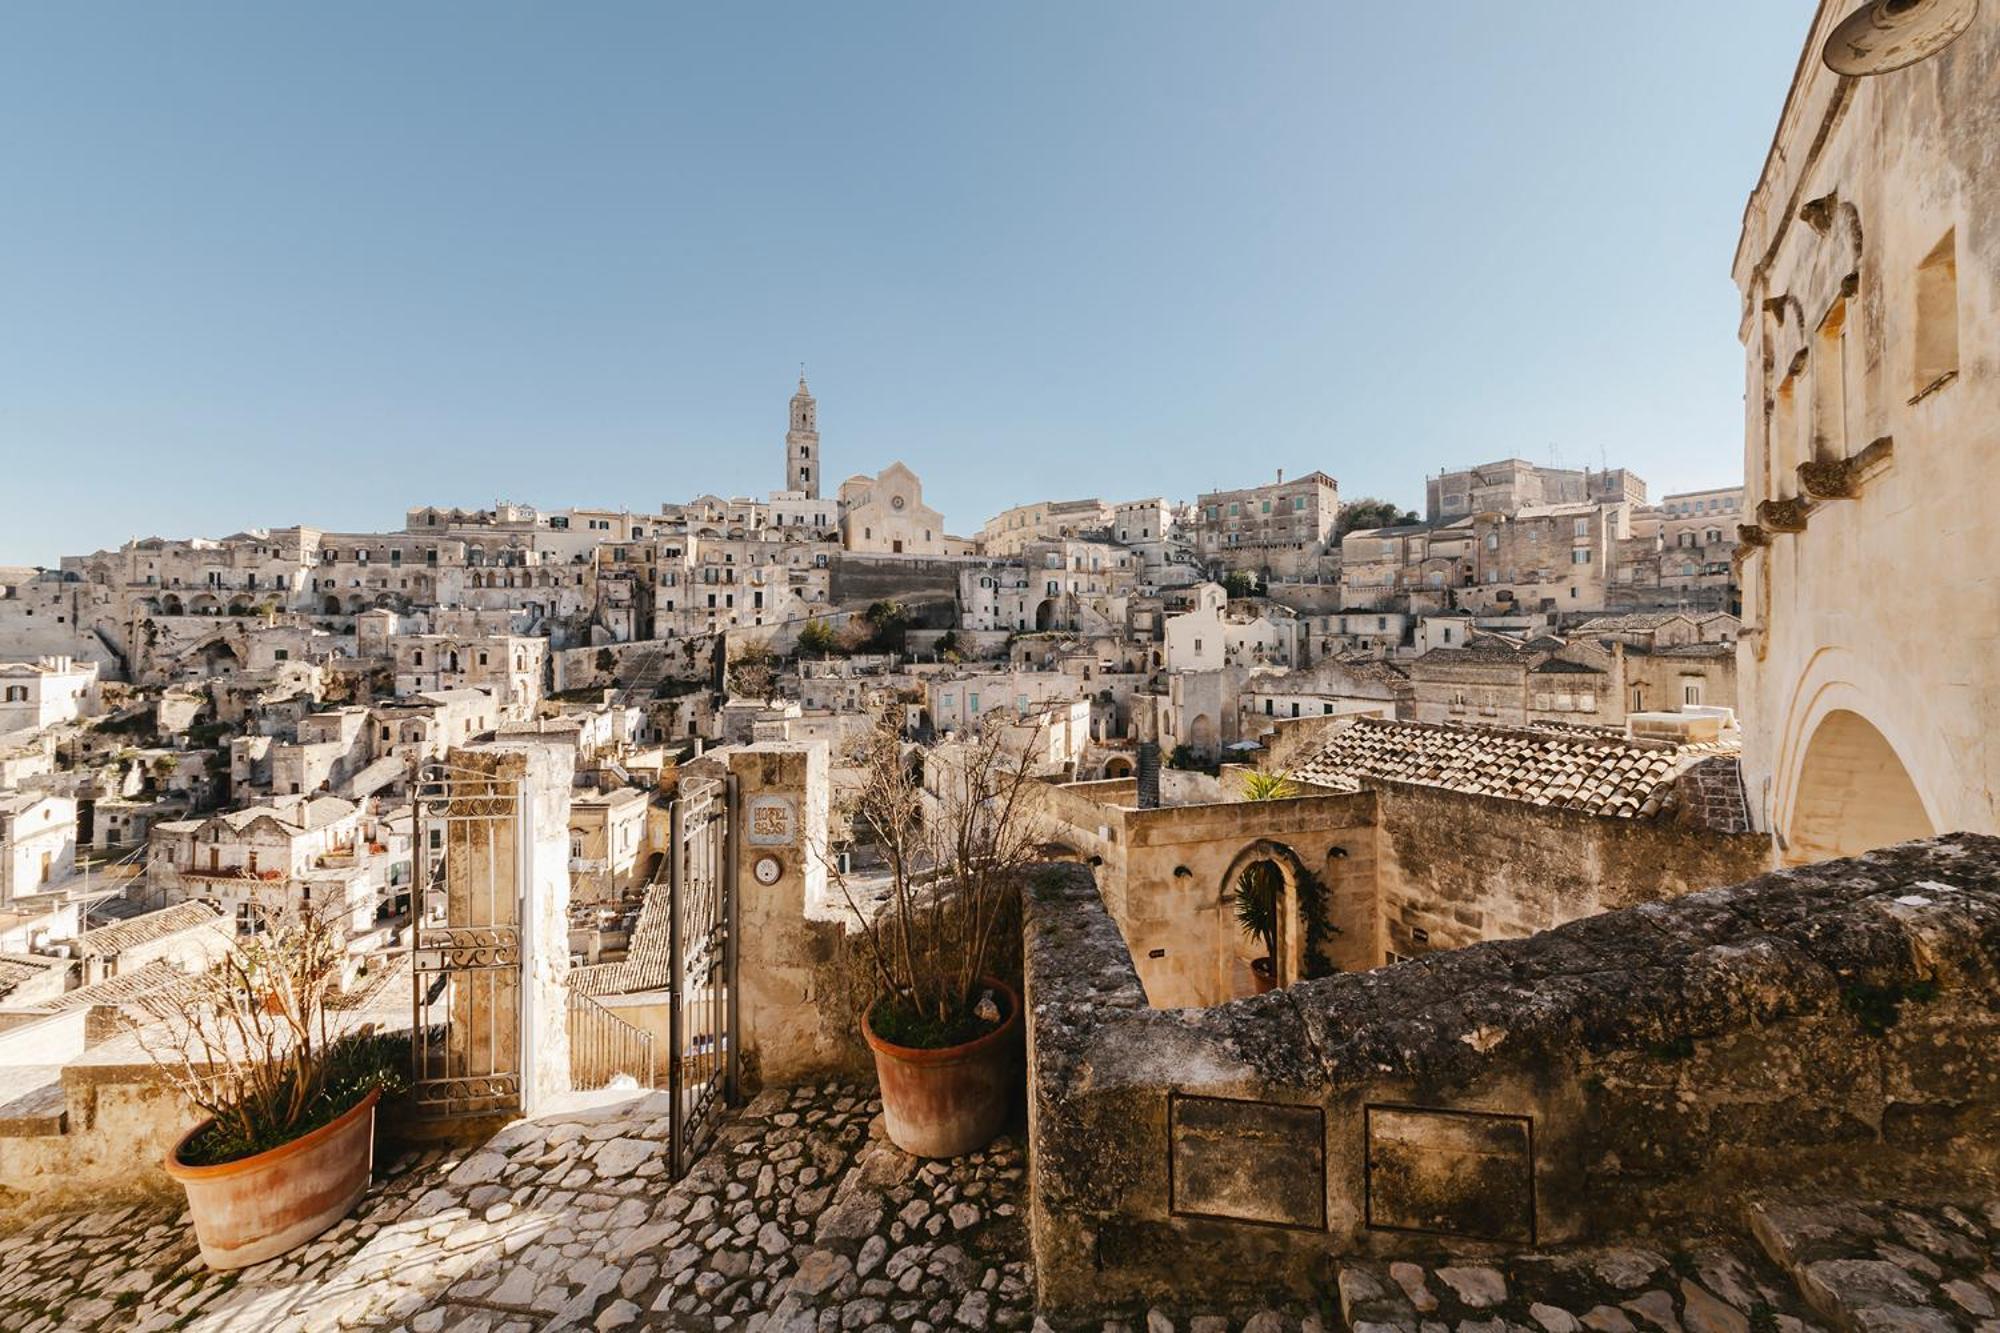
(802, 463)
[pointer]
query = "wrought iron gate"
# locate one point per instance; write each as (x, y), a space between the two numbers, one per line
(702, 1048)
(465, 943)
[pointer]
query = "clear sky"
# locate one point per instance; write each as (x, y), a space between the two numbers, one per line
(265, 264)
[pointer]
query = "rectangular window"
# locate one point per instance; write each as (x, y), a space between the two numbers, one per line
(1937, 315)
(1580, 556)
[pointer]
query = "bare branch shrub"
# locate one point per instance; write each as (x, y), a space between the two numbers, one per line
(955, 825)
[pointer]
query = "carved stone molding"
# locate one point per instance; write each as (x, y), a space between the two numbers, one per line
(1842, 478)
(1829, 479)
(1749, 537)
(1784, 515)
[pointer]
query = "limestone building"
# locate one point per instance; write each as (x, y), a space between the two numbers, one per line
(886, 515)
(1514, 484)
(1283, 530)
(802, 460)
(1869, 267)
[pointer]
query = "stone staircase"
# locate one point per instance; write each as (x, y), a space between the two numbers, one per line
(1855, 1267)
(644, 680)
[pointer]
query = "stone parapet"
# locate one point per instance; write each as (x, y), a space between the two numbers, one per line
(1832, 1025)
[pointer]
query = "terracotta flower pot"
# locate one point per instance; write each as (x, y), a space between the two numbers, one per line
(953, 1100)
(259, 1207)
(1264, 975)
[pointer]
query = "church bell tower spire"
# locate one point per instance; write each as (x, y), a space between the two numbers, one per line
(802, 464)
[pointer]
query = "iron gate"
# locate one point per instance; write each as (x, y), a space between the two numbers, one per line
(701, 1048)
(465, 943)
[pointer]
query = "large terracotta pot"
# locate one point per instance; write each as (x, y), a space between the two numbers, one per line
(257, 1208)
(954, 1100)
(1264, 975)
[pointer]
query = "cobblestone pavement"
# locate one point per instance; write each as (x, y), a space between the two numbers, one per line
(802, 1220)
(797, 1219)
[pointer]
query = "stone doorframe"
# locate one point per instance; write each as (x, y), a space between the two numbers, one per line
(1291, 931)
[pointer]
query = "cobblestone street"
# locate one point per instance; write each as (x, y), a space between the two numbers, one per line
(801, 1220)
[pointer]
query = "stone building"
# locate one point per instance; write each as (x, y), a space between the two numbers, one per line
(886, 515)
(45, 692)
(1869, 267)
(1283, 530)
(803, 464)
(511, 668)
(1514, 484)
(1010, 531)
(37, 843)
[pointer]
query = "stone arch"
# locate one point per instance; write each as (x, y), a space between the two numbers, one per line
(331, 606)
(1202, 736)
(1046, 614)
(1291, 933)
(1118, 766)
(1853, 793)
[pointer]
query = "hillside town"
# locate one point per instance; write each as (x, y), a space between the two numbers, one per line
(1520, 901)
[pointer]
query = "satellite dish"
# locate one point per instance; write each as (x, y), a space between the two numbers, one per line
(1888, 34)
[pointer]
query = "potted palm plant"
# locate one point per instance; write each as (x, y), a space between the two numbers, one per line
(1259, 894)
(289, 1092)
(954, 827)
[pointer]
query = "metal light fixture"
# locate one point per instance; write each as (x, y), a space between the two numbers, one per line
(1889, 34)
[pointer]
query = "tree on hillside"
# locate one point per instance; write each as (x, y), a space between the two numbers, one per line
(1369, 512)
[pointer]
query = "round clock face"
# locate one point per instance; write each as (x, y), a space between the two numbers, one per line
(768, 868)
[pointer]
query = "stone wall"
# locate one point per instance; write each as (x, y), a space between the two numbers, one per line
(903, 578)
(1831, 1024)
(1457, 869)
(802, 978)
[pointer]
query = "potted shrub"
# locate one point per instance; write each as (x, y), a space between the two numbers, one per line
(954, 826)
(289, 1093)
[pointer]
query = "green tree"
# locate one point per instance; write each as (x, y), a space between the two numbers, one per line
(1238, 584)
(1369, 512)
(817, 637)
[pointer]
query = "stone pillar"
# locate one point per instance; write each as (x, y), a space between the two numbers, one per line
(507, 866)
(795, 1002)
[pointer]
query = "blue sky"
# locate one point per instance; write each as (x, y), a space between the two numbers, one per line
(265, 264)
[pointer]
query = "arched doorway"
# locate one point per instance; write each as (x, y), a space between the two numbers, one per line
(1117, 766)
(1201, 737)
(1260, 903)
(1046, 613)
(1853, 794)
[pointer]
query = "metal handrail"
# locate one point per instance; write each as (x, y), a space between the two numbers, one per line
(602, 1046)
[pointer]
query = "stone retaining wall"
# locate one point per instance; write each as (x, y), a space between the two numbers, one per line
(1834, 1024)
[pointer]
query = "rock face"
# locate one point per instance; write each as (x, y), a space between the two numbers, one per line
(1840, 1021)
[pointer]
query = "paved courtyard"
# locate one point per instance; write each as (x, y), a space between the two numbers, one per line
(803, 1220)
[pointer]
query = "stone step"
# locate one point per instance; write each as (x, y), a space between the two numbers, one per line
(1868, 1266)
(1710, 1289)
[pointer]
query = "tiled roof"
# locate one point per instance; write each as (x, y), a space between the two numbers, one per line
(16, 971)
(1558, 666)
(157, 981)
(109, 941)
(648, 960)
(1599, 774)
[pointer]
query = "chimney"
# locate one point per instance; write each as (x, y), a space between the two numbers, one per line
(1281, 476)
(1149, 775)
